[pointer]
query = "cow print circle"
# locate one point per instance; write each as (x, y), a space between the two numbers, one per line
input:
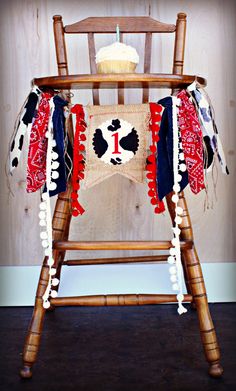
(115, 141)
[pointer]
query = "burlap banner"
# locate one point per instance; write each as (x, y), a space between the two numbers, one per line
(117, 142)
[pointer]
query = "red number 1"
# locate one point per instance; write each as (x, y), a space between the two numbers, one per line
(116, 146)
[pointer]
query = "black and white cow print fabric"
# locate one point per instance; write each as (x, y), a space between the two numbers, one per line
(26, 116)
(115, 141)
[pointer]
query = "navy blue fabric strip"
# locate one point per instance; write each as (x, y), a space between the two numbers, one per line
(165, 173)
(58, 120)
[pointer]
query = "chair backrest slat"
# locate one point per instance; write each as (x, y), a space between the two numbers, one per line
(147, 62)
(93, 66)
(121, 98)
(127, 24)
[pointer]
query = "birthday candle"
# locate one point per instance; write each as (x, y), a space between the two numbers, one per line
(117, 33)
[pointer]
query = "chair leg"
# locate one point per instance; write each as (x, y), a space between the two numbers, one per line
(61, 228)
(61, 224)
(34, 333)
(207, 330)
(186, 279)
(197, 288)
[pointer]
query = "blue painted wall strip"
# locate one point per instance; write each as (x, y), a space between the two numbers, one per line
(18, 283)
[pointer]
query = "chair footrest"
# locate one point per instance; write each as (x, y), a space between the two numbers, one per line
(118, 245)
(115, 300)
(103, 261)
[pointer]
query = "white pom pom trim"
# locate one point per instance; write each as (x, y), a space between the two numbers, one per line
(176, 271)
(53, 293)
(171, 260)
(55, 281)
(52, 186)
(45, 210)
(182, 167)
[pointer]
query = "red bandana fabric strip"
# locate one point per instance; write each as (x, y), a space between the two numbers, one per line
(191, 136)
(36, 167)
(78, 158)
(156, 111)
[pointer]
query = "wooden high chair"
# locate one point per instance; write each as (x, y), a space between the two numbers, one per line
(62, 214)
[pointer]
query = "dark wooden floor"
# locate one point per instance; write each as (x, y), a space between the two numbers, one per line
(117, 349)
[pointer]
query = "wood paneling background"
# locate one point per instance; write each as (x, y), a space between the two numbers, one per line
(117, 208)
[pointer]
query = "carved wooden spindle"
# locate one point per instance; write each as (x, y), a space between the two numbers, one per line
(198, 291)
(60, 225)
(115, 300)
(121, 93)
(60, 45)
(35, 328)
(207, 330)
(61, 221)
(179, 44)
(147, 63)
(93, 66)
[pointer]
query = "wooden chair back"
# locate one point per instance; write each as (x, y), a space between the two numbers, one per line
(103, 25)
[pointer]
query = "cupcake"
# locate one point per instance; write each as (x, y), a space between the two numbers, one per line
(117, 58)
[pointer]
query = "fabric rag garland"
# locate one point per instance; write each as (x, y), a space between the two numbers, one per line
(47, 159)
(36, 168)
(26, 116)
(165, 149)
(191, 136)
(205, 113)
(58, 147)
(117, 140)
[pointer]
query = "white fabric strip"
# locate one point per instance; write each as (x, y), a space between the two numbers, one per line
(205, 114)
(68, 160)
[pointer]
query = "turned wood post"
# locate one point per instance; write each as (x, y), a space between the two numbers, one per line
(62, 213)
(35, 328)
(60, 45)
(60, 224)
(180, 34)
(61, 55)
(198, 291)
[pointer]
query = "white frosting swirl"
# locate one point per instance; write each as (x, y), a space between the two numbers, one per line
(117, 51)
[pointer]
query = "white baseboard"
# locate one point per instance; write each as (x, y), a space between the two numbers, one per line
(18, 283)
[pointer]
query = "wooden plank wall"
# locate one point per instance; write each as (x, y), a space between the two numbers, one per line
(117, 209)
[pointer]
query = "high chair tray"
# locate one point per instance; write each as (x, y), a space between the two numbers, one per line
(121, 80)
